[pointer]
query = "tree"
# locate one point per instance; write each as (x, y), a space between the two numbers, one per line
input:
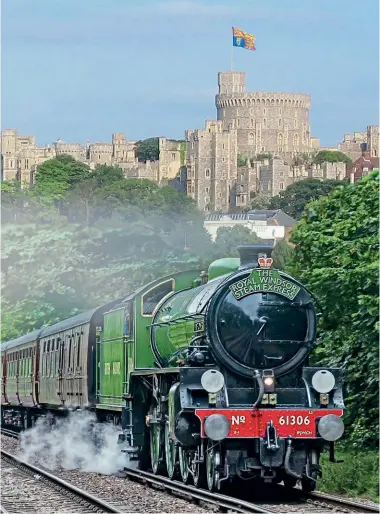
(55, 177)
(259, 202)
(296, 196)
(283, 255)
(331, 156)
(336, 257)
(148, 149)
(229, 238)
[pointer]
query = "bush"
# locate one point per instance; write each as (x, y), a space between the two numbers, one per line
(358, 475)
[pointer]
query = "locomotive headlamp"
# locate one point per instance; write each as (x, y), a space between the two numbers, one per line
(323, 381)
(331, 427)
(212, 380)
(268, 379)
(217, 427)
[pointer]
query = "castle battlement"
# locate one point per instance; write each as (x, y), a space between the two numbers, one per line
(263, 99)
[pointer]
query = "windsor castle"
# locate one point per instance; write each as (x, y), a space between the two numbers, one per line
(259, 144)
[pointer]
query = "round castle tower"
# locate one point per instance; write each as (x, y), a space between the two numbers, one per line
(276, 123)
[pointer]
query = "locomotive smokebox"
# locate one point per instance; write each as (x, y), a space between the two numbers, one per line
(249, 254)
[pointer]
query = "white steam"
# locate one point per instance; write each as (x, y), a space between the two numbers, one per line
(75, 442)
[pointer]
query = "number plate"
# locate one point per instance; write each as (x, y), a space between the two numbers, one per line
(294, 420)
(244, 423)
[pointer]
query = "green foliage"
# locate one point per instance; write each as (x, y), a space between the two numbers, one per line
(337, 251)
(183, 152)
(296, 196)
(331, 156)
(228, 238)
(242, 161)
(259, 202)
(148, 149)
(102, 237)
(358, 475)
(283, 255)
(262, 156)
(55, 177)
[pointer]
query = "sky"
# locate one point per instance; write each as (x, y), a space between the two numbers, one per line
(82, 69)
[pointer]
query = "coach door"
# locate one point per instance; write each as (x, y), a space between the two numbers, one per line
(61, 370)
(3, 378)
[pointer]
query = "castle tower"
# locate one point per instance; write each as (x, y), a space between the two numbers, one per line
(276, 123)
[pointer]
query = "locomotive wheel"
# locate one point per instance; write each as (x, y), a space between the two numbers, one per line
(156, 447)
(308, 486)
(198, 469)
(170, 453)
(212, 462)
(183, 465)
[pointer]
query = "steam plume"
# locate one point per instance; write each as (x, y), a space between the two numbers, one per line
(75, 442)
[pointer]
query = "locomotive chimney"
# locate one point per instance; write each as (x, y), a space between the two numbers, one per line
(249, 254)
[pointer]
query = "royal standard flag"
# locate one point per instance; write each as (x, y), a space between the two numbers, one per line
(243, 39)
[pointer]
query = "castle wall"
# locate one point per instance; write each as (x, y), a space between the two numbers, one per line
(211, 158)
(171, 158)
(373, 140)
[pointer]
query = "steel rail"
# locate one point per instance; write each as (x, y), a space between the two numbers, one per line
(66, 486)
(335, 501)
(219, 500)
(10, 433)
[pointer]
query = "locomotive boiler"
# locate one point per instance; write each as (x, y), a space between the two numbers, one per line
(206, 375)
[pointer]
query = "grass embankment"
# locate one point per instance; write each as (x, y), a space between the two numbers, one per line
(357, 476)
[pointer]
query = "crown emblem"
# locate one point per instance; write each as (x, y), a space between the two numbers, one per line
(265, 262)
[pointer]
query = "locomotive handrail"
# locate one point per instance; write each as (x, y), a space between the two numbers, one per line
(174, 320)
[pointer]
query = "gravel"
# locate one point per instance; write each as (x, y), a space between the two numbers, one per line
(126, 494)
(132, 496)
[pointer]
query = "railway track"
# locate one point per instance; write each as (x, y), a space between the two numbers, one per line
(293, 500)
(28, 489)
(296, 500)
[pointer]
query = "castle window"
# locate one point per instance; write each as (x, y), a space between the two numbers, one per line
(238, 122)
(264, 111)
(223, 146)
(281, 185)
(264, 123)
(279, 123)
(242, 188)
(173, 156)
(207, 190)
(251, 111)
(295, 123)
(252, 123)
(251, 139)
(296, 140)
(280, 141)
(280, 111)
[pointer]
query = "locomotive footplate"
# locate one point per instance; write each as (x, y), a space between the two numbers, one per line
(248, 423)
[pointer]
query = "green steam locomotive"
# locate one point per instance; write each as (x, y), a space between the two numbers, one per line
(206, 374)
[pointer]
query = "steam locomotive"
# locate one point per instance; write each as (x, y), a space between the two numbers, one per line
(205, 374)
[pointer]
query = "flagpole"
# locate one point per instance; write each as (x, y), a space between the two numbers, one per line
(232, 58)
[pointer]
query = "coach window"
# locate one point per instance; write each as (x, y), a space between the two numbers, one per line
(78, 352)
(69, 359)
(151, 298)
(48, 360)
